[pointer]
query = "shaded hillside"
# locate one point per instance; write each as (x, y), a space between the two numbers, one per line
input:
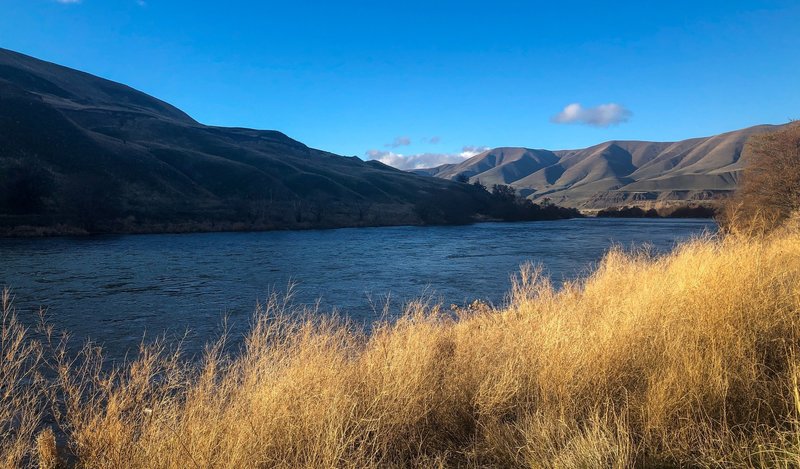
(80, 153)
(613, 173)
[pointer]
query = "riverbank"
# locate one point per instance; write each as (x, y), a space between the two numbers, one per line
(674, 211)
(680, 360)
(369, 216)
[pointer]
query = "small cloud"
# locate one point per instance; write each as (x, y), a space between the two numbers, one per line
(399, 142)
(67, 2)
(434, 140)
(469, 151)
(422, 160)
(141, 3)
(603, 115)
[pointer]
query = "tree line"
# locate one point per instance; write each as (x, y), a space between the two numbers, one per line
(500, 202)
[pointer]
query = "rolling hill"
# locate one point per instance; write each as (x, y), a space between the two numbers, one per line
(79, 153)
(615, 172)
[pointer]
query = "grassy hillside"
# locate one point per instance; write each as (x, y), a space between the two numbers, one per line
(692, 358)
(615, 173)
(82, 154)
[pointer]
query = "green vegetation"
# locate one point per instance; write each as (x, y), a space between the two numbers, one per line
(628, 212)
(506, 204)
(502, 203)
(680, 211)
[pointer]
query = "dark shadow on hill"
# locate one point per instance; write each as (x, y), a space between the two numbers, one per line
(80, 154)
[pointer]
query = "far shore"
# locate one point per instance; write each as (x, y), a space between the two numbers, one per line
(27, 231)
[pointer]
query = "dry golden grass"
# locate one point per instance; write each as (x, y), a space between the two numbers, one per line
(20, 403)
(691, 359)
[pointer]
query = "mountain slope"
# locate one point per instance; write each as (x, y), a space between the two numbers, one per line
(615, 172)
(94, 155)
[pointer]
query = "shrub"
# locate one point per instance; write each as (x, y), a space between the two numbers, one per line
(627, 212)
(770, 188)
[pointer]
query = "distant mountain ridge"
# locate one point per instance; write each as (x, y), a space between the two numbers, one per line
(78, 152)
(614, 172)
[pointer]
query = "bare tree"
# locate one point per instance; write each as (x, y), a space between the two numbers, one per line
(770, 188)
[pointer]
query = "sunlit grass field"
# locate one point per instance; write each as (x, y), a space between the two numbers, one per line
(687, 359)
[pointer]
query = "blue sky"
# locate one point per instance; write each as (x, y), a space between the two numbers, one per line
(417, 83)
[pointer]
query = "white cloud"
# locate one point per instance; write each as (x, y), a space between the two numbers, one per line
(399, 142)
(470, 150)
(141, 3)
(422, 160)
(434, 140)
(600, 116)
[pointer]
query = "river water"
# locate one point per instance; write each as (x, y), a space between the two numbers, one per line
(118, 289)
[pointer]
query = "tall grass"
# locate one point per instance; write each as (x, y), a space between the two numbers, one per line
(21, 407)
(692, 358)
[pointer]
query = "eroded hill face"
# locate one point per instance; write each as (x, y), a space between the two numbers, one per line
(96, 155)
(616, 172)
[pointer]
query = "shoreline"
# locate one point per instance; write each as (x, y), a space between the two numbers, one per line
(61, 231)
(469, 390)
(33, 232)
